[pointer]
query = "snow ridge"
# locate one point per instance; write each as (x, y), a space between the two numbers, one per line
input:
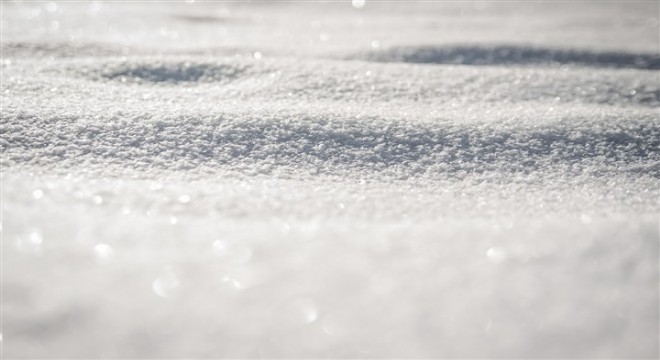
(331, 144)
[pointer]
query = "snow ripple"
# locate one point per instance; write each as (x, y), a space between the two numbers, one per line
(168, 72)
(514, 55)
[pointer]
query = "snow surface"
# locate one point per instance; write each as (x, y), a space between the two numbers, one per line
(275, 179)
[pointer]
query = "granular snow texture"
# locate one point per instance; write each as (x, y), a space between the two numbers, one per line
(330, 180)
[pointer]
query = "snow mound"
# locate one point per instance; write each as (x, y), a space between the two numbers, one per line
(514, 55)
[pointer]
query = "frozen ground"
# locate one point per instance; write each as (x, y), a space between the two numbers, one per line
(283, 180)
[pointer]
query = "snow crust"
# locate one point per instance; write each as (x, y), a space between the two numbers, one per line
(308, 180)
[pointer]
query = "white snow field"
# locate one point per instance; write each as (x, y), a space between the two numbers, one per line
(439, 179)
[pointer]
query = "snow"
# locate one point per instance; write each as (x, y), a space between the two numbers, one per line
(211, 180)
